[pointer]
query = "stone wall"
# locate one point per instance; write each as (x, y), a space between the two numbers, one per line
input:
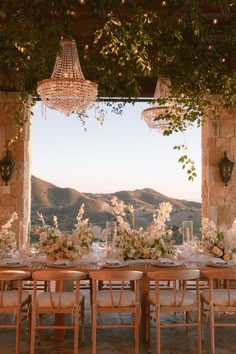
(218, 135)
(16, 195)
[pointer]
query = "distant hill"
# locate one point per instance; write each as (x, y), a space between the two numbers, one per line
(51, 200)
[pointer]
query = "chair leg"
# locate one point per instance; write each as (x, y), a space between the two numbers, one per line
(212, 330)
(82, 320)
(187, 321)
(199, 332)
(29, 319)
(147, 324)
(158, 331)
(136, 330)
(76, 330)
(32, 336)
(202, 320)
(18, 327)
(94, 329)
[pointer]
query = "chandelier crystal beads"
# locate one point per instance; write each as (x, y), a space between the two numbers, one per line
(151, 115)
(67, 90)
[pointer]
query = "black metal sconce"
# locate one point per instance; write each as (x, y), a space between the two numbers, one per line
(6, 167)
(226, 168)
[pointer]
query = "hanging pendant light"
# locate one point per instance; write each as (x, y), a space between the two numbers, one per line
(150, 115)
(67, 90)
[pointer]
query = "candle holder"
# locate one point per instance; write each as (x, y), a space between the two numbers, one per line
(111, 229)
(187, 231)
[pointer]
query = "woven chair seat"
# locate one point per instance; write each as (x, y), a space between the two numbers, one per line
(220, 297)
(166, 298)
(10, 298)
(104, 298)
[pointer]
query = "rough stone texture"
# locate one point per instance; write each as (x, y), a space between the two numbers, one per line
(218, 135)
(15, 197)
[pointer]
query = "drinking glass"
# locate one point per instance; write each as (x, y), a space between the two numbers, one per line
(111, 229)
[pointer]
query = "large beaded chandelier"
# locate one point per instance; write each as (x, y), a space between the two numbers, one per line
(151, 115)
(67, 90)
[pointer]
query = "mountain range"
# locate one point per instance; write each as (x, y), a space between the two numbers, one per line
(50, 200)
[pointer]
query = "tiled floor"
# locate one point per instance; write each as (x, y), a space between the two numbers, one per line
(120, 341)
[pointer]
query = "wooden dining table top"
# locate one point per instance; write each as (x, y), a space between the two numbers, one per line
(143, 265)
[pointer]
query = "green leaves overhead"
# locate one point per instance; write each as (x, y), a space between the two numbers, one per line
(191, 42)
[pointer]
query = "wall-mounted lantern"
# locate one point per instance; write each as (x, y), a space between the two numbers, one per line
(6, 167)
(226, 168)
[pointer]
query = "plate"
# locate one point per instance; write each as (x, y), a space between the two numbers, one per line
(61, 265)
(219, 265)
(166, 264)
(13, 265)
(113, 265)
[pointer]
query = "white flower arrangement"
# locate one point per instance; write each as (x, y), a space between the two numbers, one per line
(68, 245)
(7, 237)
(152, 243)
(218, 241)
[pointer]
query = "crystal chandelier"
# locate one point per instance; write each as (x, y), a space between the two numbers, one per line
(67, 90)
(150, 115)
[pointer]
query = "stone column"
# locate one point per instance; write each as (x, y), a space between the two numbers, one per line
(16, 196)
(218, 135)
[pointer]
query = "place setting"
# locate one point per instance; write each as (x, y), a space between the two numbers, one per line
(166, 263)
(13, 263)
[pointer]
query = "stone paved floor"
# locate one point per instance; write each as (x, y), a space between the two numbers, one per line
(120, 341)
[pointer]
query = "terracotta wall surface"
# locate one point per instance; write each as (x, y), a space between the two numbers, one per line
(16, 196)
(218, 135)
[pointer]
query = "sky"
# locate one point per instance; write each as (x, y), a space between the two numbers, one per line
(122, 153)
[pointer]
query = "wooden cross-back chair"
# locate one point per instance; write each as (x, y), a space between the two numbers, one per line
(219, 300)
(14, 301)
(175, 299)
(56, 299)
(115, 300)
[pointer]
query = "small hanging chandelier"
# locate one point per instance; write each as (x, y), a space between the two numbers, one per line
(150, 115)
(67, 90)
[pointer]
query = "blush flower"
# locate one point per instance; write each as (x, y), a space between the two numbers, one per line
(7, 237)
(71, 246)
(217, 240)
(151, 243)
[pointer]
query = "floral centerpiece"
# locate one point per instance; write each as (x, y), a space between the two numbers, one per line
(68, 245)
(218, 241)
(133, 243)
(7, 237)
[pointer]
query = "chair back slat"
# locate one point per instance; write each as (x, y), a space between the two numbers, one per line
(180, 279)
(60, 296)
(116, 299)
(174, 298)
(56, 281)
(117, 294)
